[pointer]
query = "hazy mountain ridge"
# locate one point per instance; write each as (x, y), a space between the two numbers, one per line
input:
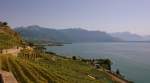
(82, 35)
(147, 37)
(64, 35)
(40, 33)
(127, 36)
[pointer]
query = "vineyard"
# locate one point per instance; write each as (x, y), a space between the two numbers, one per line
(50, 69)
(8, 38)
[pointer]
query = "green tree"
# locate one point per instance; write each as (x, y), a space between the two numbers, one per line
(105, 63)
(118, 72)
(74, 58)
(108, 63)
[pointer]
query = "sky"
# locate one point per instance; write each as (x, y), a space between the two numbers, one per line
(104, 15)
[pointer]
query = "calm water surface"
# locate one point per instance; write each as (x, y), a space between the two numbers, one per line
(132, 59)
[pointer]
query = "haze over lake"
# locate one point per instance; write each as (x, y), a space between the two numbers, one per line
(132, 59)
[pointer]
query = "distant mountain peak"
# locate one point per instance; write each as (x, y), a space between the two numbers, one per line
(34, 27)
(75, 29)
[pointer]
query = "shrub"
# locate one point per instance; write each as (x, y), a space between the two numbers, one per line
(74, 58)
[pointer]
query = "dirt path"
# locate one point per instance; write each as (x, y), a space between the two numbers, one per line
(7, 77)
(113, 77)
(14, 51)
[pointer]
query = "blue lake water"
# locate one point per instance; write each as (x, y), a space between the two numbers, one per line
(132, 59)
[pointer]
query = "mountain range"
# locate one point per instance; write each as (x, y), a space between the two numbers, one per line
(64, 35)
(71, 35)
(127, 36)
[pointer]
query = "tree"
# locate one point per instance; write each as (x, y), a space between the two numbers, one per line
(105, 63)
(74, 58)
(108, 63)
(5, 23)
(118, 72)
(40, 49)
(30, 44)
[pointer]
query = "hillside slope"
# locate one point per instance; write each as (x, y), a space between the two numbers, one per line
(52, 69)
(8, 37)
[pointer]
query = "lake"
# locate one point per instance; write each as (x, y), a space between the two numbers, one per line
(132, 59)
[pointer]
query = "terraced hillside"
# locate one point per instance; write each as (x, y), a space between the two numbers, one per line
(8, 38)
(51, 69)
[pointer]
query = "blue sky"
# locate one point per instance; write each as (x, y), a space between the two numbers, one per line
(105, 15)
